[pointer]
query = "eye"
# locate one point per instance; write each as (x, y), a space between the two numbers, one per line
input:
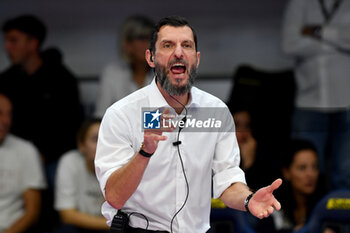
(167, 45)
(187, 45)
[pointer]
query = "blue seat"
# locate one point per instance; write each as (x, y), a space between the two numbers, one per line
(332, 209)
(237, 220)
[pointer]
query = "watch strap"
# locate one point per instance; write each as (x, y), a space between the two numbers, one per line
(144, 153)
(246, 202)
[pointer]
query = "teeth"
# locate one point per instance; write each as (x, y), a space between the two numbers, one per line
(178, 64)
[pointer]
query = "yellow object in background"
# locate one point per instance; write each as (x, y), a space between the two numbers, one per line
(335, 203)
(217, 203)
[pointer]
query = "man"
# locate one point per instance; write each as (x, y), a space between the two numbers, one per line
(44, 93)
(141, 173)
(21, 177)
(316, 35)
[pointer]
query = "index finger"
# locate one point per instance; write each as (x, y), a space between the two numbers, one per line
(277, 183)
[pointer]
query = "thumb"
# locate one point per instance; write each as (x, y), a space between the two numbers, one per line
(277, 183)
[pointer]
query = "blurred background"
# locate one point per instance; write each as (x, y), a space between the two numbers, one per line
(230, 33)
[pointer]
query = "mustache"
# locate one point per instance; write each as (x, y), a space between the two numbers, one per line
(172, 62)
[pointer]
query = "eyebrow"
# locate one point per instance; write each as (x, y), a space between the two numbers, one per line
(170, 41)
(166, 41)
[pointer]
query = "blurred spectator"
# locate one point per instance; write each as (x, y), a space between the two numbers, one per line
(45, 95)
(21, 177)
(246, 141)
(316, 33)
(119, 80)
(300, 192)
(78, 197)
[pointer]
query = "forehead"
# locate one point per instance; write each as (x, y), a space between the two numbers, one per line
(5, 103)
(171, 33)
(305, 156)
(16, 33)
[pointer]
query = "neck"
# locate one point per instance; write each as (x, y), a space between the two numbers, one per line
(32, 64)
(300, 210)
(300, 199)
(183, 99)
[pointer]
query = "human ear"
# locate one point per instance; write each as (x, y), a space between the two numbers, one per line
(149, 58)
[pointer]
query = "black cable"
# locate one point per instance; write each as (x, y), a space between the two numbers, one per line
(143, 217)
(183, 168)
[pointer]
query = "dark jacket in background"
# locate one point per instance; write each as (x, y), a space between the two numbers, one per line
(46, 105)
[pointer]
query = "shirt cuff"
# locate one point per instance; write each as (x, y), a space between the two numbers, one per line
(224, 179)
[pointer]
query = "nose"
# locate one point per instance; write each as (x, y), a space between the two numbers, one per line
(311, 172)
(178, 53)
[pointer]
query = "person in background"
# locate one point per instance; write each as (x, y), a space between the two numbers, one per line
(45, 98)
(120, 79)
(303, 188)
(78, 198)
(316, 34)
(246, 141)
(45, 94)
(21, 177)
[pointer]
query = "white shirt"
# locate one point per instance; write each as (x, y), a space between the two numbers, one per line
(322, 70)
(116, 82)
(20, 170)
(209, 159)
(76, 186)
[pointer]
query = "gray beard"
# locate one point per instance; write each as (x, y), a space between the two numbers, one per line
(168, 87)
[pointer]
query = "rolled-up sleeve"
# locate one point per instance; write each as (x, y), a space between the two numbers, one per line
(226, 170)
(114, 146)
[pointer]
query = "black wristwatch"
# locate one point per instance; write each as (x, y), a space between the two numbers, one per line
(144, 153)
(246, 202)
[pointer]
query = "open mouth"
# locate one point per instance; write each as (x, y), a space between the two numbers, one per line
(178, 68)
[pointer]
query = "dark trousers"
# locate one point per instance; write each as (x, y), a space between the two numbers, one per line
(139, 230)
(73, 229)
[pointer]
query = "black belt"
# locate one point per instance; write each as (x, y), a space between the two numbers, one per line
(139, 230)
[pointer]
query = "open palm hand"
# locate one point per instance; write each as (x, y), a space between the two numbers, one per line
(263, 202)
